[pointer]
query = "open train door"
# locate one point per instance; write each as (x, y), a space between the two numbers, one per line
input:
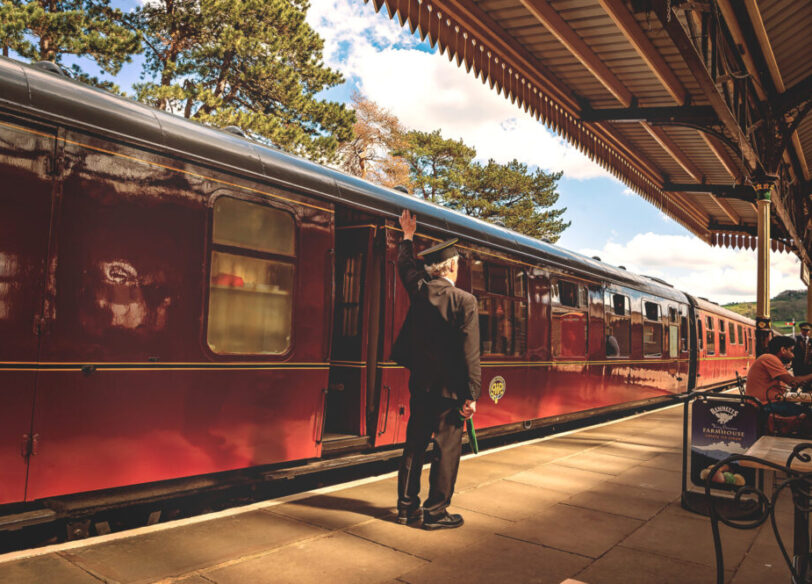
(29, 186)
(693, 344)
(351, 404)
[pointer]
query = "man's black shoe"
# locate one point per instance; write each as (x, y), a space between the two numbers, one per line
(406, 516)
(445, 521)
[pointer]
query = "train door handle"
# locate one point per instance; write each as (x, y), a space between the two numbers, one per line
(386, 414)
(319, 429)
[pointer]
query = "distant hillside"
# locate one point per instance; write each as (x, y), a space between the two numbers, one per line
(788, 305)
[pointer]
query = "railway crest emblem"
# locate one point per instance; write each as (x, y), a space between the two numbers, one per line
(496, 389)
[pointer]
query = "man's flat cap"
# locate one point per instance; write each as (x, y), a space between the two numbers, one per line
(440, 252)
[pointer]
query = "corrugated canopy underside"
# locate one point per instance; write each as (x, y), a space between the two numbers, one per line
(619, 81)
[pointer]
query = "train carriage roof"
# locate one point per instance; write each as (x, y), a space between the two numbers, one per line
(712, 307)
(56, 99)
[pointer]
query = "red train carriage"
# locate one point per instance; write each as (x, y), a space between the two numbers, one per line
(725, 344)
(177, 301)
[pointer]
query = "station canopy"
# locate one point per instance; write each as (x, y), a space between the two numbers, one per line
(693, 105)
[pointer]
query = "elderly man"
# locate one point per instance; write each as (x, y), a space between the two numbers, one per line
(439, 344)
(802, 362)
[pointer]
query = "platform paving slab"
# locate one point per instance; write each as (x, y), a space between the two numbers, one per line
(475, 471)
(639, 452)
(431, 545)
(507, 499)
(557, 477)
(523, 456)
(45, 569)
(601, 462)
(690, 539)
(758, 571)
(343, 508)
(622, 565)
(192, 580)
(171, 553)
(339, 557)
(665, 460)
(499, 559)
(575, 530)
(668, 481)
(635, 502)
(566, 445)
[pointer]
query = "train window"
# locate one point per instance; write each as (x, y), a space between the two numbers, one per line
(519, 283)
(618, 325)
(673, 340)
(722, 338)
(569, 320)
(478, 275)
(683, 340)
(739, 336)
(498, 280)
(252, 277)
(710, 336)
(699, 336)
(502, 309)
(251, 226)
(566, 293)
(652, 330)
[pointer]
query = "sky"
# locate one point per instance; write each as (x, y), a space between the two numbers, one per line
(393, 68)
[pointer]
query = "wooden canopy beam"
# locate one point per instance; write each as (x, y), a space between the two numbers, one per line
(565, 34)
(628, 25)
(667, 144)
(671, 24)
(769, 57)
(681, 114)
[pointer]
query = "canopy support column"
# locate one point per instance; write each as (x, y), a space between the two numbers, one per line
(809, 303)
(763, 277)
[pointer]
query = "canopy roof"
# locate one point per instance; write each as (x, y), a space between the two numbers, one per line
(691, 104)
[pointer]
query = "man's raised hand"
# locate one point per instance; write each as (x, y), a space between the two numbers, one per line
(408, 223)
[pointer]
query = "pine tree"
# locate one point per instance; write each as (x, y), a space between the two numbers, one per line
(437, 165)
(377, 133)
(444, 171)
(255, 64)
(48, 30)
(513, 196)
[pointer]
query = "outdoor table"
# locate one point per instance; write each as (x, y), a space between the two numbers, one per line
(777, 450)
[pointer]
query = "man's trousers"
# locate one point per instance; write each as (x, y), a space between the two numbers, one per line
(438, 416)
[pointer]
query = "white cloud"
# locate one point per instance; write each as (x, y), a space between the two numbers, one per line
(428, 92)
(720, 274)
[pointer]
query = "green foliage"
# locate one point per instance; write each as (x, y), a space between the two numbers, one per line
(444, 171)
(437, 166)
(786, 306)
(256, 64)
(47, 30)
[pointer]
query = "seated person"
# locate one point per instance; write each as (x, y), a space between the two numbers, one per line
(612, 346)
(770, 370)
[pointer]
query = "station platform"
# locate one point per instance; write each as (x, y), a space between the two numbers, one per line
(600, 506)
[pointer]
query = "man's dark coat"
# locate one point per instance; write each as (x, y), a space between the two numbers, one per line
(802, 360)
(439, 341)
(439, 344)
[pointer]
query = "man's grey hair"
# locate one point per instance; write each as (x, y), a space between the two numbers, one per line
(442, 268)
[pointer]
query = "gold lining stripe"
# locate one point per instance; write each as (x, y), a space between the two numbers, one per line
(151, 369)
(169, 363)
(166, 167)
